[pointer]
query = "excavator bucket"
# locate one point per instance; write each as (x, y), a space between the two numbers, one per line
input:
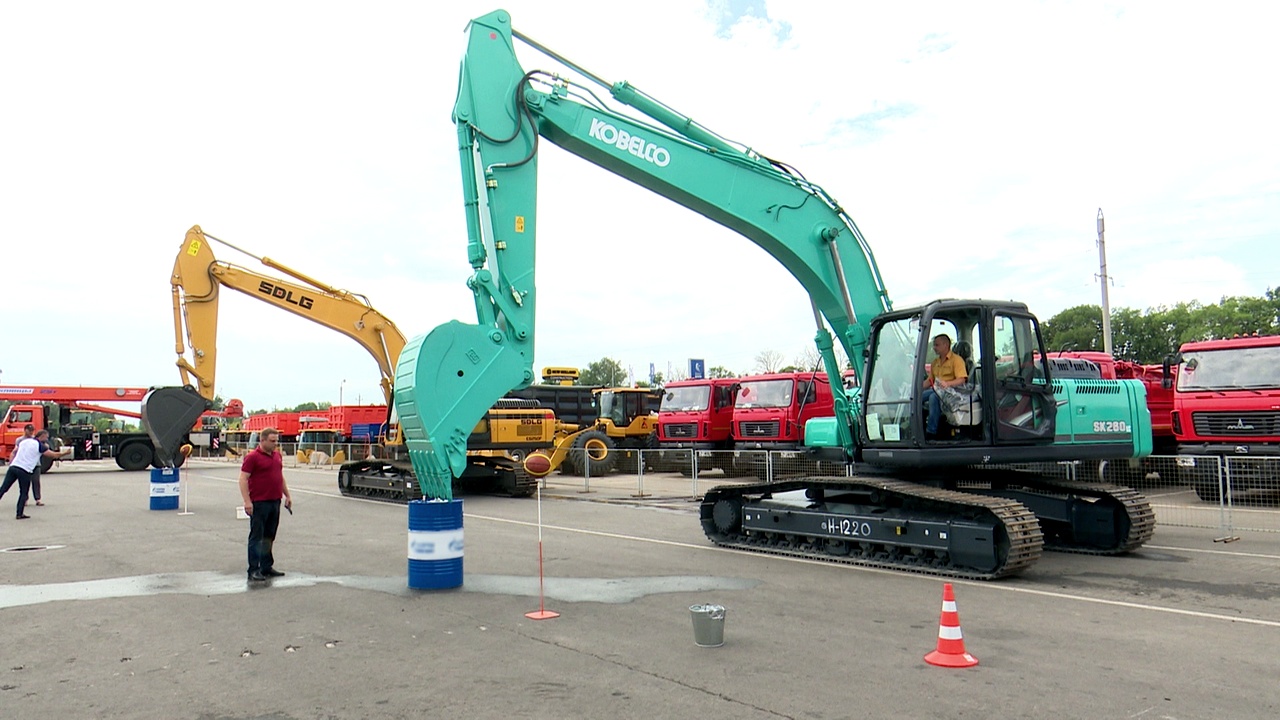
(445, 382)
(168, 414)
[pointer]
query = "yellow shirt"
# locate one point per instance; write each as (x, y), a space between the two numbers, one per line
(948, 368)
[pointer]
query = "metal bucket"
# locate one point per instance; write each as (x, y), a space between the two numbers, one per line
(708, 625)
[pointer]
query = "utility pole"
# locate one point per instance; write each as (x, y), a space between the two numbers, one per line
(1106, 303)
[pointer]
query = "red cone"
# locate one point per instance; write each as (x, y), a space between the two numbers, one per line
(950, 652)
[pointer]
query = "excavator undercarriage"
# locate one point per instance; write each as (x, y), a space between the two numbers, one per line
(994, 526)
(394, 480)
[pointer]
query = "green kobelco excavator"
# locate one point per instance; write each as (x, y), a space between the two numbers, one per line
(944, 502)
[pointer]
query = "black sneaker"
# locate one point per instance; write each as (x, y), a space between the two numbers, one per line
(272, 573)
(23, 517)
(256, 576)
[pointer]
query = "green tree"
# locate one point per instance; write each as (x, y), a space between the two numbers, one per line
(1140, 337)
(1240, 315)
(720, 371)
(1078, 328)
(605, 372)
(311, 406)
(1148, 336)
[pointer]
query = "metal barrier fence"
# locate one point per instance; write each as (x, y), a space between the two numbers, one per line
(1224, 494)
(315, 454)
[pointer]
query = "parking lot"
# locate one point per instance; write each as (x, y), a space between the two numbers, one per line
(115, 610)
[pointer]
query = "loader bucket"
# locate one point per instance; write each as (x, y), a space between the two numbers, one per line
(168, 414)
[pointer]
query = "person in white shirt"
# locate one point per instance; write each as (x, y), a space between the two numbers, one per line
(25, 459)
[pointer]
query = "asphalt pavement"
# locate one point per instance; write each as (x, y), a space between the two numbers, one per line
(111, 609)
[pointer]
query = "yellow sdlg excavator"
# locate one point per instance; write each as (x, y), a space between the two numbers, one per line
(496, 446)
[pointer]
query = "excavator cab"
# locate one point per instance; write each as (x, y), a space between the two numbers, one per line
(1006, 399)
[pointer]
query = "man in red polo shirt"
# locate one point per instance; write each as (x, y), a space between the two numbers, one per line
(261, 487)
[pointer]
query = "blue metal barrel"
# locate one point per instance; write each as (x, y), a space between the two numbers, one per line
(435, 544)
(164, 489)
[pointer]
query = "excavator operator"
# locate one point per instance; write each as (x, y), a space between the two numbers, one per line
(946, 370)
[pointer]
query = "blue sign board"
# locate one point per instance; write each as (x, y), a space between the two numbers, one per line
(697, 369)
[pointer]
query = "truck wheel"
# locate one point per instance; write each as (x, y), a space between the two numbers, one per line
(1204, 483)
(594, 448)
(1208, 491)
(134, 456)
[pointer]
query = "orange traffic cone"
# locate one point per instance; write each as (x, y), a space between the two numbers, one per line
(950, 652)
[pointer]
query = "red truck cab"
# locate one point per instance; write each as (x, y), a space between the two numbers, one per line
(1226, 411)
(771, 410)
(697, 414)
(696, 417)
(11, 427)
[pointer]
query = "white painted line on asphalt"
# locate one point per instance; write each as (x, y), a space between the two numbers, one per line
(971, 583)
(1213, 552)
(1132, 605)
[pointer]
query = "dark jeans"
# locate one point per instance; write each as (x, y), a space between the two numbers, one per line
(35, 484)
(934, 405)
(262, 534)
(24, 485)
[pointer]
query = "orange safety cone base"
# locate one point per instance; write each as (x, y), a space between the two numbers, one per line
(546, 615)
(942, 659)
(950, 651)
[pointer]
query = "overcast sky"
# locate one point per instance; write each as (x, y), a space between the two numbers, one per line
(973, 145)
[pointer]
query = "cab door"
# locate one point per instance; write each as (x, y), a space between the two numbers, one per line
(1024, 406)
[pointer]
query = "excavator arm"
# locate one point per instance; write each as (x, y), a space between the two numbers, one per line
(197, 280)
(198, 277)
(448, 378)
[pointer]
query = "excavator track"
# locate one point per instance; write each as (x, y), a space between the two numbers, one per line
(1092, 518)
(385, 480)
(876, 522)
(394, 480)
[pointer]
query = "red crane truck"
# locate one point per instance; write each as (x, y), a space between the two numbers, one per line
(52, 408)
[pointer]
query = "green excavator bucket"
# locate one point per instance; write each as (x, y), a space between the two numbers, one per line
(168, 414)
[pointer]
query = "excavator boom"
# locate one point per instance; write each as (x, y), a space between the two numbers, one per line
(197, 280)
(501, 113)
(198, 277)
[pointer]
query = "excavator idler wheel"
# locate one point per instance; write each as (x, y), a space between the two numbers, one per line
(727, 515)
